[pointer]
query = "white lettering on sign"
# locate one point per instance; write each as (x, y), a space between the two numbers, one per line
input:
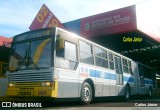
(106, 22)
(47, 21)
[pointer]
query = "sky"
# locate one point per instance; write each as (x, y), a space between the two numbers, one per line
(17, 15)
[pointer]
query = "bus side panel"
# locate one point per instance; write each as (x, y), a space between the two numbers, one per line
(67, 83)
(86, 72)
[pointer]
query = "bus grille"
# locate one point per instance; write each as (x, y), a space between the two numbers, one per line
(30, 76)
(28, 84)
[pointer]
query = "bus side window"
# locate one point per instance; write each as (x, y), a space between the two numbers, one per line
(71, 54)
(59, 47)
(111, 62)
(125, 65)
(86, 54)
(100, 57)
(130, 67)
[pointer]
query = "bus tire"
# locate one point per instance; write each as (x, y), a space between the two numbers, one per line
(127, 93)
(86, 93)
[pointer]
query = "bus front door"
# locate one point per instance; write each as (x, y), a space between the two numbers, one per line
(119, 75)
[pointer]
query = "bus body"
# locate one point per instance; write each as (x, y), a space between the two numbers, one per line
(55, 63)
(3, 79)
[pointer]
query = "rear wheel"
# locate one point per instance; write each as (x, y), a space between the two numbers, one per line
(86, 93)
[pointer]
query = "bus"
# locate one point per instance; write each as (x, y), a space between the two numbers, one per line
(53, 62)
(3, 79)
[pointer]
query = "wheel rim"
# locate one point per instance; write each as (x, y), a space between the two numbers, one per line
(86, 94)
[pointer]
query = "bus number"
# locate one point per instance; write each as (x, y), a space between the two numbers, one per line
(43, 13)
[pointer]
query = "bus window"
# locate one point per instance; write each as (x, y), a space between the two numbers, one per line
(71, 54)
(40, 52)
(31, 55)
(66, 54)
(100, 57)
(86, 53)
(125, 66)
(111, 62)
(130, 67)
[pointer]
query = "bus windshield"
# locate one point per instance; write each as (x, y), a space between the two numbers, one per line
(31, 55)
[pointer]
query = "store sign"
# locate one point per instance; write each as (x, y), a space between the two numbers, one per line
(116, 21)
(45, 18)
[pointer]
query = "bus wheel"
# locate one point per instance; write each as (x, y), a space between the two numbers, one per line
(86, 93)
(127, 93)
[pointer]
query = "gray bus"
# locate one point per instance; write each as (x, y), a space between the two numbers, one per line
(53, 62)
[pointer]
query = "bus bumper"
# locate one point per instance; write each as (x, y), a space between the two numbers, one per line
(33, 91)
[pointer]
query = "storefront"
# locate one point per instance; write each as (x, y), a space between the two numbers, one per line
(129, 31)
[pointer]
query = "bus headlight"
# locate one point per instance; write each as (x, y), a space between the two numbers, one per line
(46, 84)
(11, 84)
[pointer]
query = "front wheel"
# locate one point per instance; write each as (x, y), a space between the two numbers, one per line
(86, 93)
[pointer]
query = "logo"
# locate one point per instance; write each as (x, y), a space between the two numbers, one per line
(20, 105)
(87, 26)
(84, 72)
(6, 104)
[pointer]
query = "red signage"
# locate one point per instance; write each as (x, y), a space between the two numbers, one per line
(117, 21)
(45, 18)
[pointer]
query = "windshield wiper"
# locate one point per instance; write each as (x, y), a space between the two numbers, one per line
(31, 64)
(31, 61)
(36, 66)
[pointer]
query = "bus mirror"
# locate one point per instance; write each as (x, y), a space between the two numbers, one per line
(60, 43)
